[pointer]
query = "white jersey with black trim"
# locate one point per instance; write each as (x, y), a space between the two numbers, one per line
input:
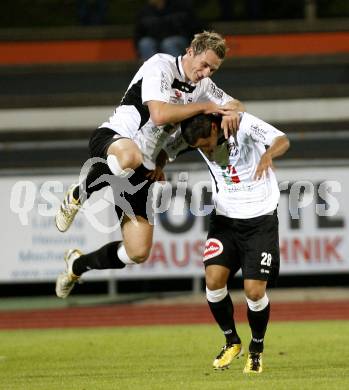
(235, 192)
(160, 78)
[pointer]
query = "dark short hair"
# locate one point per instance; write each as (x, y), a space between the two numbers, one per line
(198, 126)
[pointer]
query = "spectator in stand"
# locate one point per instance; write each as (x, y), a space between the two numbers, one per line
(164, 26)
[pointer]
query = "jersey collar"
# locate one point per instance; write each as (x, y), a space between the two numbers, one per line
(180, 67)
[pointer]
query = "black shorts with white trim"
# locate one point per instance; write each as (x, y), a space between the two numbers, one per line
(100, 141)
(250, 244)
(140, 201)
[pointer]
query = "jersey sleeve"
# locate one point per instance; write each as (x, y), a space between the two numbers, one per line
(156, 83)
(176, 145)
(259, 130)
(210, 92)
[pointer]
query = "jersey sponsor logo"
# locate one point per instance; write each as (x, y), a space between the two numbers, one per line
(216, 92)
(176, 97)
(213, 248)
(178, 94)
(259, 132)
(164, 84)
(230, 175)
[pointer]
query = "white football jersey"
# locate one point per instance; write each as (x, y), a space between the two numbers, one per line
(160, 78)
(235, 192)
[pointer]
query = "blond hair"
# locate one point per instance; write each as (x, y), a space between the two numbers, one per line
(209, 40)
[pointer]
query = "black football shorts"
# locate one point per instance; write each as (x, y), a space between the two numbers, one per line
(250, 244)
(140, 201)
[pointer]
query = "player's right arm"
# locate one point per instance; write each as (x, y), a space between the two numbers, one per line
(162, 113)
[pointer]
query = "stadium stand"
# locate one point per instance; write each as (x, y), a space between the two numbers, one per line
(88, 68)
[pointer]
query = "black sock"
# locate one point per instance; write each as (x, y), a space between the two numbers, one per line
(103, 258)
(223, 312)
(84, 191)
(258, 321)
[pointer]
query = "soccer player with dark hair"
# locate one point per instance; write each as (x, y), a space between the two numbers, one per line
(243, 231)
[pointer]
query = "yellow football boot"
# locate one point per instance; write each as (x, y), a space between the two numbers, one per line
(226, 356)
(254, 363)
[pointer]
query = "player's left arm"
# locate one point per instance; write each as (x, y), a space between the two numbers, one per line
(278, 147)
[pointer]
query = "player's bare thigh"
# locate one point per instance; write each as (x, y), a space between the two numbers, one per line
(137, 238)
(127, 153)
(216, 276)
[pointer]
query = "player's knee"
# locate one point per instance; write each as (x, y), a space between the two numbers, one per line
(139, 259)
(140, 255)
(126, 158)
(131, 159)
(254, 294)
(214, 283)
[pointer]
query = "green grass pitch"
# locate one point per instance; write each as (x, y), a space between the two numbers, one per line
(298, 355)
